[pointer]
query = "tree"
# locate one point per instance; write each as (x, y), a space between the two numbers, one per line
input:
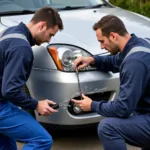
(139, 6)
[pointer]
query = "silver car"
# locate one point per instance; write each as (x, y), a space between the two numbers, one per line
(53, 76)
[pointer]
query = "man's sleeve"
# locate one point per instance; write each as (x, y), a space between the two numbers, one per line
(134, 77)
(17, 62)
(108, 63)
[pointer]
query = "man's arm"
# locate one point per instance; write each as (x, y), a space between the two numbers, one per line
(134, 77)
(108, 63)
(17, 63)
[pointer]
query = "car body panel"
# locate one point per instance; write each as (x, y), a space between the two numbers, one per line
(62, 86)
(82, 21)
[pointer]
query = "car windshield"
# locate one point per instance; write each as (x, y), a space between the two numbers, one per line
(9, 6)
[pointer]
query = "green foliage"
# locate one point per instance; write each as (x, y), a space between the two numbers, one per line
(146, 10)
(138, 6)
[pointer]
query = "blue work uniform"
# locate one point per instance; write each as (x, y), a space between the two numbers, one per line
(16, 58)
(128, 117)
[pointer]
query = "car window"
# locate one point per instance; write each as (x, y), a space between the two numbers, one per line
(16, 5)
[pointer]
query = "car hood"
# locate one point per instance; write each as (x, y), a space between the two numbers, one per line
(78, 26)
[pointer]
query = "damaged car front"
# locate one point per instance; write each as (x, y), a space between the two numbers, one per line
(53, 76)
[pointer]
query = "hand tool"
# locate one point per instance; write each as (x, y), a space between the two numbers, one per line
(58, 105)
(76, 108)
(79, 87)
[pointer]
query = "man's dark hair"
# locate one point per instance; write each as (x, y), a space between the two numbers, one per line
(49, 15)
(109, 24)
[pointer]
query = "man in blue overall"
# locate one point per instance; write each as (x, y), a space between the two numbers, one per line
(16, 58)
(127, 119)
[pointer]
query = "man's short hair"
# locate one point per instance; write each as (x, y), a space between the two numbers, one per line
(109, 24)
(49, 15)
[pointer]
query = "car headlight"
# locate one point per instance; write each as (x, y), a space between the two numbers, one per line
(64, 56)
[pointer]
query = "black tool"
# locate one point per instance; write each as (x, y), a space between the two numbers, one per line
(54, 106)
(79, 87)
(58, 105)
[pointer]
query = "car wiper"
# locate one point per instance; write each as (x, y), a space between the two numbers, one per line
(98, 5)
(71, 7)
(83, 7)
(14, 12)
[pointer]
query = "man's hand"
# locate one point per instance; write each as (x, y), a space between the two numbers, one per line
(84, 104)
(82, 62)
(44, 109)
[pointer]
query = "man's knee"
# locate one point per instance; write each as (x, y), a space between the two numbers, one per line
(105, 128)
(43, 141)
(47, 141)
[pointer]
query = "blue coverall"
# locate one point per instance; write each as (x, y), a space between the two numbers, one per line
(128, 117)
(16, 58)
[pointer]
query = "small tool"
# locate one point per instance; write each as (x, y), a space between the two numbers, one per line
(54, 106)
(76, 108)
(58, 105)
(79, 87)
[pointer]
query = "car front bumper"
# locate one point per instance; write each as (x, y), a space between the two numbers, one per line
(63, 86)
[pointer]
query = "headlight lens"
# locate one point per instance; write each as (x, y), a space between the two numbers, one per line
(65, 55)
